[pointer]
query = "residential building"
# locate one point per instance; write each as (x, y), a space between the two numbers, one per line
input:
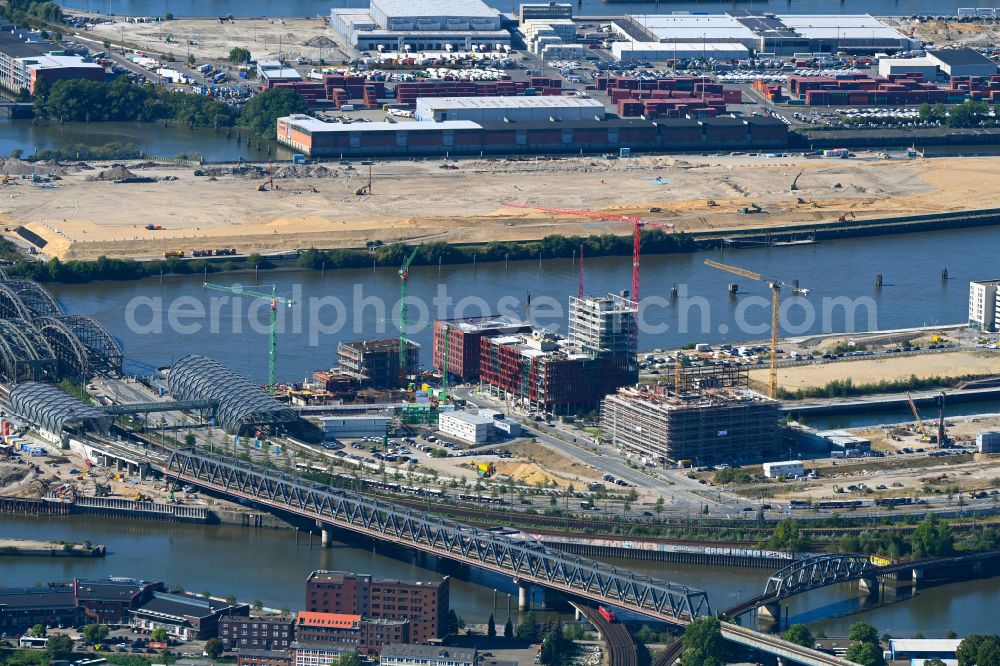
(264, 658)
(424, 604)
(787, 469)
(471, 428)
(707, 427)
(304, 653)
(185, 616)
(23, 607)
(421, 25)
(984, 305)
(962, 62)
(375, 363)
(266, 632)
(428, 655)
(367, 635)
(111, 600)
(543, 372)
(460, 338)
(24, 64)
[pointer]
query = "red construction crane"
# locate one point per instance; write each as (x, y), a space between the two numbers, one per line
(637, 225)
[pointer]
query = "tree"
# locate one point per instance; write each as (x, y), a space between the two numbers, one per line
(979, 650)
(95, 633)
(491, 627)
(38, 631)
(866, 654)
(261, 113)
(528, 629)
(800, 635)
(106, 44)
(862, 632)
(508, 629)
(169, 16)
(349, 659)
(60, 647)
(934, 662)
(786, 536)
(239, 56)
(213, 647)
(159, 635)
(703, 644)
(658, 507)
(932, 538)
(453, 623)
(257, 605)
(556, 648)
(231, 599)
(191, 59)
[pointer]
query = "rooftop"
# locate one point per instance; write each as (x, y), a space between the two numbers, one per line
(310, 124)
(485, 322)
(336, 620)
(109, 588)
(966, 56)
(372, 346)
(181, 606)
(539, 102)
(468, 417)
(42, 597)
(430, 652)
(898, 645)
(428, 8)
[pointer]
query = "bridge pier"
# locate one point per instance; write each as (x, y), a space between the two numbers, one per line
(326, 538)
(870, 585)
(523, 596)
(552, 600)
(770, 612)
(918, 575)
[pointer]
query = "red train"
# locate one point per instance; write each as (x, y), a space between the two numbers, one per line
(608, 615)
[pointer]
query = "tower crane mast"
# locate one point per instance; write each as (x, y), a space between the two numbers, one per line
(404, 321)
(273, 297)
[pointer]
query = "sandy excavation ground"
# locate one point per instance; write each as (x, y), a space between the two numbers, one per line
(211, 40)
(873, 370)
(83, 219)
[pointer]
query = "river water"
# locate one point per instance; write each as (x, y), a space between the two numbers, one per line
(158, 322)
(150, 138)
(268, 565)
(312, 8)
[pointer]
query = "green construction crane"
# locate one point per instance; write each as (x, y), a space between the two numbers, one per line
(404, 321)
(272, 340)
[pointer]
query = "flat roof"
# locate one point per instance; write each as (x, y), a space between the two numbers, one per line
(924, 644)
(423, 8)
(684, 47)
(667, 27)
(468, 417)
(539, 102)
(58, 62)
(313, 125)
(337, 620)
(839, 26)
(482, 323)
(965, 56)
(429, 652)
(283, 73)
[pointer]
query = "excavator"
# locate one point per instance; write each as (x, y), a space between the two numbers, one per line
(843, 216)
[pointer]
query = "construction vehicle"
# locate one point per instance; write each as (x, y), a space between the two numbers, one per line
(942, 436)
(751, 209)
(272, 328)
(366, 188)
(843, 216)
(918, 422)
(171, 254)
(795, 181)
(637, 227)
(711, 203)
(486, 470)
(154, 227)
(775, 287)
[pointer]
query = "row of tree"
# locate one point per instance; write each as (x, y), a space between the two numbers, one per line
(81, 100)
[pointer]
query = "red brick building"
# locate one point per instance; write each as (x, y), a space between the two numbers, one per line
(463, 336)
(367, 635)
(424, 604)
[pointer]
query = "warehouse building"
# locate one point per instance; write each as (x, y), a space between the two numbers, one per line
(463, 137)
(509, 109)
(706, 427)
(547, 11)
(421, 25)
(926, 67)
(767, 33)
(679, 51)
(962, 62)
(355, 426)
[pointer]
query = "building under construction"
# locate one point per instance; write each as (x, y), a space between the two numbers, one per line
(603, 324)
(375, 363)
(705, 427)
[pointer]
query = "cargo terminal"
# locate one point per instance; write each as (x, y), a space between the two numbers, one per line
(317, 138)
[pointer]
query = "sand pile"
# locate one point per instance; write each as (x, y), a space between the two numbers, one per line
(117, 172)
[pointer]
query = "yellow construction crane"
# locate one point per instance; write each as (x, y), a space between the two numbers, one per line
(924, 437)
(775, 286)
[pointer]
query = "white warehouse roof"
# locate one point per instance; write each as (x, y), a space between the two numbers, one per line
(691, 27)
(681, 51)
(310, 124)
(834, 26)
(435, 8)
(468, 417)
(533, 102)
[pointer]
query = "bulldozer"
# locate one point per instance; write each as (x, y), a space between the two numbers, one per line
(711, 203)
(843, 216)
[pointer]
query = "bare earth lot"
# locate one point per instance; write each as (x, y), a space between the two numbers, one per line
(84, 219)
(873, 370)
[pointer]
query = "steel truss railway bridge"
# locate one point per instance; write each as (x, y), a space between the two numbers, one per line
(506, 552)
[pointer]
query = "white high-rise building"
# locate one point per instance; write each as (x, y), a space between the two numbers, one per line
(984, 306)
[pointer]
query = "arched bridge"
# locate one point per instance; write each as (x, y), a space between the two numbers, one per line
(819, 571)
(510, 553)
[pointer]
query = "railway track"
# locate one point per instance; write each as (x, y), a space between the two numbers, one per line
(622, 649)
